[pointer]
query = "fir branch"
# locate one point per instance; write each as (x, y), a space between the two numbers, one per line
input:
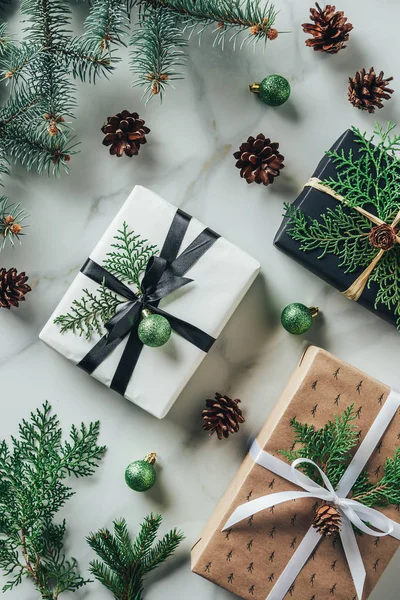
(88, 315)
(130, 257)
(32, 474)
(124, 563)
(157, 44)
(12, 217)
(228, 17)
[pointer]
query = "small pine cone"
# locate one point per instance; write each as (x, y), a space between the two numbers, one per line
(329, 31)
(327, 520)
(382, 237)
(222, 415)
(367, 90)
(125, 132)
(259, 160)
(13, 288)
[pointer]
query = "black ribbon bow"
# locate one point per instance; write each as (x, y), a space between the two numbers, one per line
(163, 275)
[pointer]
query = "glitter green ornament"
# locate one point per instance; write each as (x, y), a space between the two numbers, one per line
(154, 330)
(297, 318)
(273, 90)
(141, 474)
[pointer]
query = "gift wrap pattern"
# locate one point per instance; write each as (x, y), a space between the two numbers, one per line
(248, 558)
(219, 279)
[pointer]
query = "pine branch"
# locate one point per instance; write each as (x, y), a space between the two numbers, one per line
(387, 490)
(88, 315)
(157, 44)
(228, 17)
(124, 563)
(32, 487)
(12, 217)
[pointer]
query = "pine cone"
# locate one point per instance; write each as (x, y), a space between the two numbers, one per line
(327, 520)
(125, 132)
(222, 415)
(367, 90)
(13, 288)
(259, 160)
(330, 30)
(382, 237)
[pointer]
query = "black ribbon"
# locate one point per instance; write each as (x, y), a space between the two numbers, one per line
(163, 275)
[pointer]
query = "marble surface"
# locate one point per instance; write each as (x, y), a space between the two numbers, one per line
(189, 161)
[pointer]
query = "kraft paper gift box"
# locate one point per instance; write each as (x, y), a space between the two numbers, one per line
(249, 557)
(220, 278)
(313, 203)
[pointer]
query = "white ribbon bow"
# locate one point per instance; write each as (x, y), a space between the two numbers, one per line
(353, 512)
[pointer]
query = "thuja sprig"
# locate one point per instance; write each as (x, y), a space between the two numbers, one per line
(370, 181)
(127, 261)
(32, 490)
(12, 218)
(88, 315)
(331, 448)
(123, 563)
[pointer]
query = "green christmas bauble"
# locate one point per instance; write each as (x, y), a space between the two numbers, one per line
(274, 90)
(141, 474)
(154, 330)
(297, 318)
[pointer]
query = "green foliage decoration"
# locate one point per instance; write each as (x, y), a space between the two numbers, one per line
(372, 182)
(123, 563)
(12, 217)
(331, 448)
(35, 120)
(32, 490)
(159, 41)
(127, 261)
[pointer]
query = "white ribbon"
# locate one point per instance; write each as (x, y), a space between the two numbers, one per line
(352, 512)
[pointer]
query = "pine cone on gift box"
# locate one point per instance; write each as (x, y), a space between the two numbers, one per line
(367, 90)
(125, 132)
(259, 160)
(13, 288)
(222, 415)
(327, 520)
(329, 31)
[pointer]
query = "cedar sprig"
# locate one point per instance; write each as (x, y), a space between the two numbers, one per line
(130, 257)
(329, 447)
(33, 470)
(332, 448)
(371, 181)
(127, 261)
(88, 315)
(12, 217)
(123, 563)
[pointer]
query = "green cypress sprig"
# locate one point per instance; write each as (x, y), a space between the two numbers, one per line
(332, 448)
(125, 562)
(127, 261)
(371, 181)
(33, 471)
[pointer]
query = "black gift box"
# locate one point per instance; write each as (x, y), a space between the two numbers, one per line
(313, 203)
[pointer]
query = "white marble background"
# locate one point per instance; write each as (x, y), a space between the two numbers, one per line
(189, 161)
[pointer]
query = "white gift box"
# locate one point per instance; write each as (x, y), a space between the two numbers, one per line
(221, 277)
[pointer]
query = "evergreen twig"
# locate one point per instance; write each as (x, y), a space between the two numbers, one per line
(331, 448)
(127, 262)
(124, 563)
(12, 217)
(32, 491)
(371, 181)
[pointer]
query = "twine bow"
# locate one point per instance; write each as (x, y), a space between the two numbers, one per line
(353, 512)
(357, 287)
